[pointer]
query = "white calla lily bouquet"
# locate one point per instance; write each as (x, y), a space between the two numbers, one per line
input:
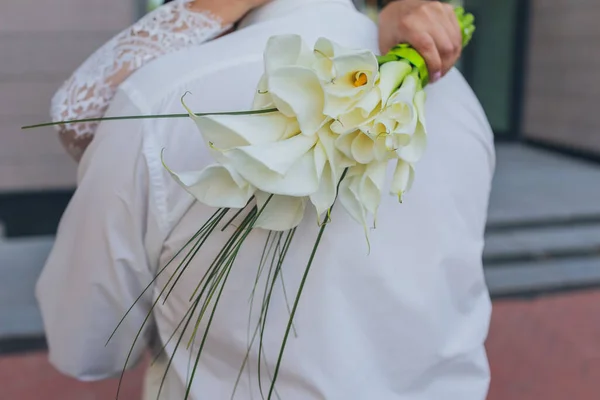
(326, 123)
(331, 110)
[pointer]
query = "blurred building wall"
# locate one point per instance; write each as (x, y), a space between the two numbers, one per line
(562, 92)
(493, 52)
(41, 43)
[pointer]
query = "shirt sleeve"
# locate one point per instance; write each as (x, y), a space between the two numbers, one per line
(99, 265)
(88, 92)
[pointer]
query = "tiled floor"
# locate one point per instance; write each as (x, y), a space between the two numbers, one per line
(30, 377)
(544, 349)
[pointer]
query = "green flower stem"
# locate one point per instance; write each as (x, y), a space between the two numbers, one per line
(159, 116)
(225, 265)
(299, 293)
(408, 53)
(294, 309)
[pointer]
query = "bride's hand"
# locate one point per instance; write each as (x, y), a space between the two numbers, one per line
(229, 11)
(430, 27)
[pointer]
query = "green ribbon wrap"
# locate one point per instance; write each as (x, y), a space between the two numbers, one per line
(407, 53)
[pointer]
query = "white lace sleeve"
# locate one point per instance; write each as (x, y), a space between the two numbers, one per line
(88, 92)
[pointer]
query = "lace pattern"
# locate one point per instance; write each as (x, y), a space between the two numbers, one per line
(88, 92)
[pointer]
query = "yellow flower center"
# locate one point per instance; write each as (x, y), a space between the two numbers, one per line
(360, 79)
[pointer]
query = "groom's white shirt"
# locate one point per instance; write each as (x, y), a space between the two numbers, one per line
(407, 321)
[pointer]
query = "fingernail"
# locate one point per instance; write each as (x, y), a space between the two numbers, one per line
(436, 77)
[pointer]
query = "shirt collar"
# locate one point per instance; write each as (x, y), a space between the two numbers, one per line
(280, 8)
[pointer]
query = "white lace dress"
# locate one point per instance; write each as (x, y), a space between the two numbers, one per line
(89, 91)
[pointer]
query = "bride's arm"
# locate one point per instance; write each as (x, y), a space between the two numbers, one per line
(88, 92)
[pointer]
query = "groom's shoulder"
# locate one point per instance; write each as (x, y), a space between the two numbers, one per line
(238, 56)
(185, 70)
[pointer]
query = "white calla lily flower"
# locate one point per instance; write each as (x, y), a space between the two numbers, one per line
(326, 193)
(285, 167)
(344, 143)
(371, 186)
(391, 75)
(420, 98)
(380, 150)
(415, 149)
(362, 149)
(297, 92)
(324, 52)
(225, 132)
(397, 141)
(328, 139)
(347, 75)
(216, 186)
(262, 98)
(355, 75)
(381, 125)
(362, 113)
(331, 171)
(279, 156)
(349, 195)
(282, 213)
(401, 108)
(403, 179)
(287, 51)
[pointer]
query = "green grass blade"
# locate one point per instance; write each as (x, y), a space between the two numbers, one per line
(211, 272)
(237, 214)
(190, 256)
(285, 295)
(294, 309)
(191, 311)
(157, 116)
(263, 314)
(282, 254)
(197, 235)
(222, 255)
(229, 265)
(218, 265)
(163, 347)
(267, 248)
(208, 325)
(298, 295)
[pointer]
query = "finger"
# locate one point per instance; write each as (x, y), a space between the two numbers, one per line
(444, 47)
(386, 41)
(384, 45)
(455, 32)
(444, 34)
(388, 29)
(425, 45)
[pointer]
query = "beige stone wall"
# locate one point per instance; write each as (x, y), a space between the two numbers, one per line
(41, 43)
(562, 98)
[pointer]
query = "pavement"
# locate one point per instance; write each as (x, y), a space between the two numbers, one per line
(542, 265)
(539, 349)
(543, 232)
(547, 348)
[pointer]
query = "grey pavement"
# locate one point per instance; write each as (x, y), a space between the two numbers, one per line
(543, 234)
(541, 242)
(544, 223)
(533, 185)
(21, 261)
(543, 275)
